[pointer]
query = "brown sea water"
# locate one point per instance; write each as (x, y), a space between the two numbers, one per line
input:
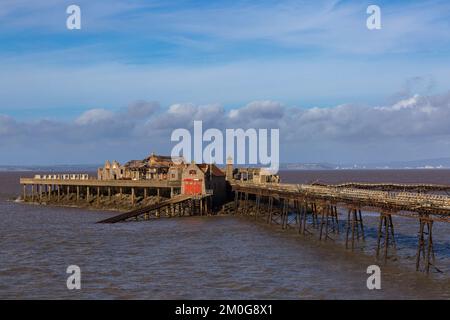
(207, 257)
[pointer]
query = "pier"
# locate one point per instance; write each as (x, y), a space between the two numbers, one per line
(35, 189)
(86, 190)
(316, 207)
(317, 210)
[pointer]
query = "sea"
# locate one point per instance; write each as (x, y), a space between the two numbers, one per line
(217, 257)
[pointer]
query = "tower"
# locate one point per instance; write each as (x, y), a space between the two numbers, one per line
(229, 169)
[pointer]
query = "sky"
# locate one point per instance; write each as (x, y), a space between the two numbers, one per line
(137, 70)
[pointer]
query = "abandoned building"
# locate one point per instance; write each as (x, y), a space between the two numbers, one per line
(185, 178)
(194, 179)
(255, 175)
(154, 167)
(204, 179)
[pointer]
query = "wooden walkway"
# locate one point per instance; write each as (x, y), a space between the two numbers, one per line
(306, 208)
(435, 207)
(148, 209)
(411, 187)
(102, 183)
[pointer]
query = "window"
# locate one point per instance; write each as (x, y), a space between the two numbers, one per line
(193, 172)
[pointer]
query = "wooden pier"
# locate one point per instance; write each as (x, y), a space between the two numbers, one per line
(310, 209)
(175, 204)
(179, 206)
(315, 207)
(35, 189)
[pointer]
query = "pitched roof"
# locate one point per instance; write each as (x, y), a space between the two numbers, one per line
(135, 164)
(168, 161)
(215, 170)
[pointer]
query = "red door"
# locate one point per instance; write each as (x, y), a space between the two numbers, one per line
(192, 186)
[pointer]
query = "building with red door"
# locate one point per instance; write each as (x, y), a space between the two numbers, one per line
(201, 179)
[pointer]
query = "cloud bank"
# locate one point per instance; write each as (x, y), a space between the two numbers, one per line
(411, 128)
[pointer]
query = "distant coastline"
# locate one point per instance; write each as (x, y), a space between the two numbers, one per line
(431, 164)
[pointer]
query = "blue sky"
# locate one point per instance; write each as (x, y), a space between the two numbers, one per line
(301, 55)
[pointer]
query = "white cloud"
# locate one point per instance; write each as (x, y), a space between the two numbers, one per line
(420, 126)
(142, 108)
(94, 116)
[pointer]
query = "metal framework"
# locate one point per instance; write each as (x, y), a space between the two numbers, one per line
(309, 207)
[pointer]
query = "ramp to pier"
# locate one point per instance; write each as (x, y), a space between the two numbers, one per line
(140, 211)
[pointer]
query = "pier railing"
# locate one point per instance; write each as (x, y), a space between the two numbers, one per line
(437, 206)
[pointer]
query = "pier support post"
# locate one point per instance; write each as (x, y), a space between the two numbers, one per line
(299, 214)
(304, 214)
(59, 192)
(32, 192)
(315, 219)
(24, 192)
(269, 215)
(258, 203)
(386, 220)
(425, 247)
(109, 193)
(355, 224)
(78, 193)
(329, 220)
(98, 195)
(324, 209)
(145, 193)
(132, 196)
(335, 219)
(284, 213)
(245, 211)
(87, 194)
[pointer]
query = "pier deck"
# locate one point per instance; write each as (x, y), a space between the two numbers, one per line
(435, 207)
(102, 183)
(308, 207)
